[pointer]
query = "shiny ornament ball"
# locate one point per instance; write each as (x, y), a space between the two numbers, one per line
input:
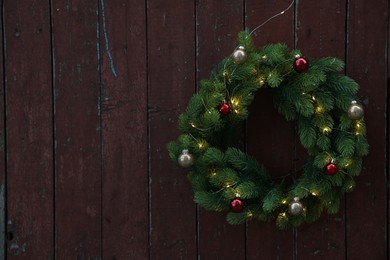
(331, 169)
(301, 64)
(185, 159)
(224, 109)
(237, 205)
(239, 55)
(295, 208)
(355, 111)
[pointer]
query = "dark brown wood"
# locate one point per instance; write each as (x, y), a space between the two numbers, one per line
(367, 64)
(218, 23)
(124, 123)
(90, 95)
(171, 73)
(29, 130)
(269, 137)
(3, 185)
(78, 130)
(321, 33)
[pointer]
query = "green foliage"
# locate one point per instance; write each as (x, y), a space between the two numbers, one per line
(273, 199)
(317, 99)
(308, 136)
(210, 201)
(330, 64)
(237, 218)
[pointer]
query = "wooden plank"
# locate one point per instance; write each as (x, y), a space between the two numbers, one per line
(269, 137)
(77, 129)
(29, 130)
(171, 73)
(218, 23)
(3, 247)
(366, 63)
(321, 33)
(124, 121)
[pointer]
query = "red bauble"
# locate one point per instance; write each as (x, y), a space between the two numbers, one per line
(224, 109)
(237, 205)
(331, 169)
(301, 64)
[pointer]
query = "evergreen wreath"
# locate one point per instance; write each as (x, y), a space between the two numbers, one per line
(329, 117)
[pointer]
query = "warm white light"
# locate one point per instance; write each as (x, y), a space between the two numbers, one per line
(283, 215)
(319, 109)
(200, 145)
(326, 130)
(234, 101)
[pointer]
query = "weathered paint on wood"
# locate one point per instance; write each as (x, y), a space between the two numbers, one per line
(218, 23)
(78, 167)
(366, 227)
(124, 125)
(90, 96)
(29, 129)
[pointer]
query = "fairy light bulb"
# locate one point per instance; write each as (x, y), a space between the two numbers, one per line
(234, 101)
(326, 130)
(319, 109)
(201, 144)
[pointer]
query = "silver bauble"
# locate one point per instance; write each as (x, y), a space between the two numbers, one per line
(185, 159)
(355, 111)
(295, 208)
(239, 55)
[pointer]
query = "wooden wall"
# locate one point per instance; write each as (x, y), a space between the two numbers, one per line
(90, 95)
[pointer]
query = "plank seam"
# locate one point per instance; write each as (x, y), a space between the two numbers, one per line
(100, 12)
(346, 44)
(52, 61)
(387, 132)
(149, 183)
(196, 78)
(5, 212)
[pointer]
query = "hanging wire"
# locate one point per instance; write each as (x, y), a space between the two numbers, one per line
(272, 17)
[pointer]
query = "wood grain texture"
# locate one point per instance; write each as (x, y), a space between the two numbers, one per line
(78, 131)
(367, 64)
(171, 73)
(218, 23)
(321, 33)
(124, 121)
(29, 128)
(269, 137)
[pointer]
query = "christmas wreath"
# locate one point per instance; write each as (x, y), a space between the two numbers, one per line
(313, 93)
